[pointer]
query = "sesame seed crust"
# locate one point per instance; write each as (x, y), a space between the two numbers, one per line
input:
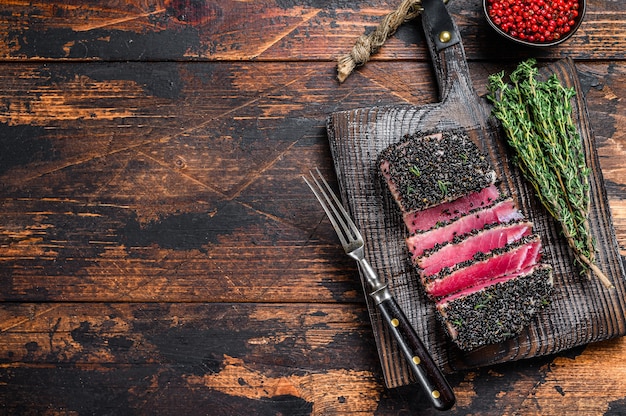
(497, 312)
(427, 170)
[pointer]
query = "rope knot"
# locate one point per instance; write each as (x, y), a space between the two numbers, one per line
(367, 45)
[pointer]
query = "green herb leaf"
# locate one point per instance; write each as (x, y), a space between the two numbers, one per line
(443, 186)
(415, 171)
(537, 119)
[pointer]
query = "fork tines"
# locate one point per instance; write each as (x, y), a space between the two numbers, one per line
(339, 218)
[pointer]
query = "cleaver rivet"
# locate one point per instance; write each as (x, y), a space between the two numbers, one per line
(445, 36)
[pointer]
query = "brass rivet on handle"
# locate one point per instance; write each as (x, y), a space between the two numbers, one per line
(445, 36)
(395, 322)
(416, 360)
(436, 394)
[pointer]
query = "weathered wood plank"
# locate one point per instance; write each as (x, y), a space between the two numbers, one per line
(584, 397)
(231, 358)
(150, 157)
(281, 30)
(133, 358)
(164, 197)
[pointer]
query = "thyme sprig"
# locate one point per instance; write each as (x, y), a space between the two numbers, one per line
(537, 119)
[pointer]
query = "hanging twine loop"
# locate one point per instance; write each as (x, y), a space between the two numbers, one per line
(367, 45)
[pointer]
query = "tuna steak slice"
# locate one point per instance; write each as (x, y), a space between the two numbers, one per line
(485, 267)
(469, 290)
(465, 247)
(424, 170)
(429, 218)
(497, 311)
(501, 212)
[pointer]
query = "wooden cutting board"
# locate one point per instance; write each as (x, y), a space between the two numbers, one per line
(582, 310)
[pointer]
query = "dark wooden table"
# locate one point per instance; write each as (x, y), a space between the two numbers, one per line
(159, 251)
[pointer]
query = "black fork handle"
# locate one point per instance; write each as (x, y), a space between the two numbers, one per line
(428, 375)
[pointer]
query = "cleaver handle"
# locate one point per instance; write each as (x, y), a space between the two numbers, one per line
(422, 365)
(447, 53)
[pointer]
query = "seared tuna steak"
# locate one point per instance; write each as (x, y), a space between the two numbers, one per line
(428, 218)
(484, 267)
(476, 256)
(501, 212)
(423, 171)
(498, 311)
(465, 247)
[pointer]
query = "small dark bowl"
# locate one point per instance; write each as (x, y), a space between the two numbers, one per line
(582, 5)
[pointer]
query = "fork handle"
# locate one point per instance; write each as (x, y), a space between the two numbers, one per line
(419, 359)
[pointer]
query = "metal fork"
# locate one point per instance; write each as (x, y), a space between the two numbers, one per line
(420, 361)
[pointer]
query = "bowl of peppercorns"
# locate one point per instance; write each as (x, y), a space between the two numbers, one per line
(535, 22)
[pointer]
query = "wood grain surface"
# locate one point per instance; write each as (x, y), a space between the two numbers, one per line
(159, 251)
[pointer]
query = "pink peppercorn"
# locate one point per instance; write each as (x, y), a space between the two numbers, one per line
(534, 20)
